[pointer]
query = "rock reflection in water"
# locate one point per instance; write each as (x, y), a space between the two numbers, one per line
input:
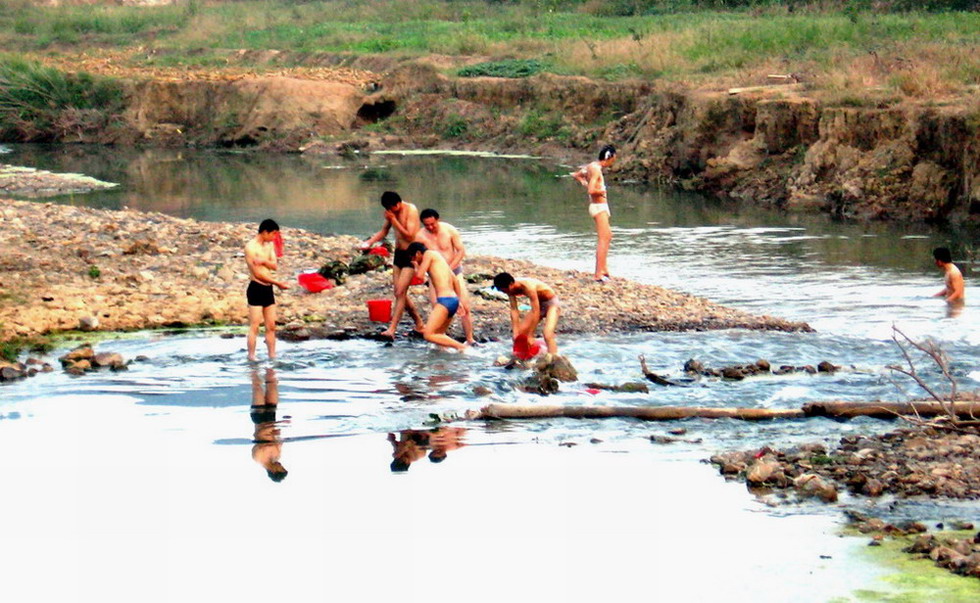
(411, 445)
(267, 438)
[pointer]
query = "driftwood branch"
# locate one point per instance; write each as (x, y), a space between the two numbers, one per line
(651, 376)
(933, 351)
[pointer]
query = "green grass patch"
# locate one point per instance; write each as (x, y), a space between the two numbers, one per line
(506, 68)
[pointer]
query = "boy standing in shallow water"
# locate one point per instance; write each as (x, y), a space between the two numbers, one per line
(404, 218)
(955, 290)
(260, 257)
(590, 176)
(544, 304)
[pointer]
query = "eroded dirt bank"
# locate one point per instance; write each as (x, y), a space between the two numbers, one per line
(65, 268)
(774, 145)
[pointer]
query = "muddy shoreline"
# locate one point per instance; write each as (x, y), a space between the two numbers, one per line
(68, 268)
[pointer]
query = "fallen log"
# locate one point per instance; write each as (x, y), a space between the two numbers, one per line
(836, 409)
(647, 413)
(840, 409)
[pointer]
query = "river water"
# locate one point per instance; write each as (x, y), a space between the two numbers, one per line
(152, 484)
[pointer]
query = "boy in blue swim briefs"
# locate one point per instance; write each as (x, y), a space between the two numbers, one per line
(447, 291)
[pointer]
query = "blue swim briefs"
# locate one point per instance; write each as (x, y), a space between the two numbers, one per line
(451, 303)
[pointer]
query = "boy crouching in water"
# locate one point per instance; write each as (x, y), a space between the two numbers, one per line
(447, 294)
(544, 305)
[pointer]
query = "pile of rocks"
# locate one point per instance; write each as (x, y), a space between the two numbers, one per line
(906, 462)
(738, 372)
(13, 371)
(84, 359)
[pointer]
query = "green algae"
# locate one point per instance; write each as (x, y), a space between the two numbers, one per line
(914, 579)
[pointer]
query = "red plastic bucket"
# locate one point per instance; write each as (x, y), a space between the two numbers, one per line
(379, 310)
(382, 251)
(314, 282)
(525, 348)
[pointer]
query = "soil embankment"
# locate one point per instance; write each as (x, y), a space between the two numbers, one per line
(776, 146)
(66, 268)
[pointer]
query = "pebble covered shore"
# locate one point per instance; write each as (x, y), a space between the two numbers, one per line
(65, 268)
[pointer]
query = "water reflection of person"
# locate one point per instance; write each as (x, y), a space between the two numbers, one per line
(412, 444)
(268, 444)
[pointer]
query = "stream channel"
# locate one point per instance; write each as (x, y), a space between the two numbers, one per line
(148, 484)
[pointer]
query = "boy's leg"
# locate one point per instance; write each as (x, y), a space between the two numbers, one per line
(400, 278)
(435, 328)
(550, 325)
(269, 314)
(254, 322)
(604, 238)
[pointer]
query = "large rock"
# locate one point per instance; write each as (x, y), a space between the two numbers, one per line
(556, 367)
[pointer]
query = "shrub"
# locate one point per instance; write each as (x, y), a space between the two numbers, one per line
(505, 68)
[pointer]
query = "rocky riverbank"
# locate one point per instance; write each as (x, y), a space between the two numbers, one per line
(908, 463)
(67, 268)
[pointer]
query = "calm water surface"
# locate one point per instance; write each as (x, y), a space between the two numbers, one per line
(150, 484)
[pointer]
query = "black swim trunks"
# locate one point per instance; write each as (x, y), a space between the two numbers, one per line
(258, 294)
(402, 259)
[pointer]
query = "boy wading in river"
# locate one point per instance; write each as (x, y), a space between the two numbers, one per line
(260, 257)
(590, 176)
(447, 294)
(544, 305)
(954, 291)
(404, 218)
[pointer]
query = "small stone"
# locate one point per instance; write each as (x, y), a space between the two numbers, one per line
(88, 323)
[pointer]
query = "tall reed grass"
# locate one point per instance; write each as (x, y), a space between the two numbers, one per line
(38, 101)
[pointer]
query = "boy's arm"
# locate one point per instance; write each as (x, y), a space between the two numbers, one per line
(459, 252)
(515, 315)
(422, 268)
(534, 315)
(595, 174)
(378, 236)
(581, 175)
(411, 226)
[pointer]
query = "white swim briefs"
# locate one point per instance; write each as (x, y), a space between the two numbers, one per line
(597, 208)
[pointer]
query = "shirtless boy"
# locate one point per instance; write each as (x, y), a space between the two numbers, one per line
(404, 218)
(260, 256)
(444, 238)
(954, 291)
(590, 176)
(447, 289)
(544, 304)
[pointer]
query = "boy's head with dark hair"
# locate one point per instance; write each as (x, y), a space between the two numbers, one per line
(607, 152)
(503, 281)
(942, 254)
(390, 199)
(429, 213)
(268, 225)
(416, 248)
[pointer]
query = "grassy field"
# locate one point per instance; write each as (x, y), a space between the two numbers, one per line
(913, 54)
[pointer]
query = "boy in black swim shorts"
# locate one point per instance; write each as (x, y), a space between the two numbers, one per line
(260, 256)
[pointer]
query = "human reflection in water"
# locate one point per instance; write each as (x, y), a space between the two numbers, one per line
(268, 444)
(412, 444)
